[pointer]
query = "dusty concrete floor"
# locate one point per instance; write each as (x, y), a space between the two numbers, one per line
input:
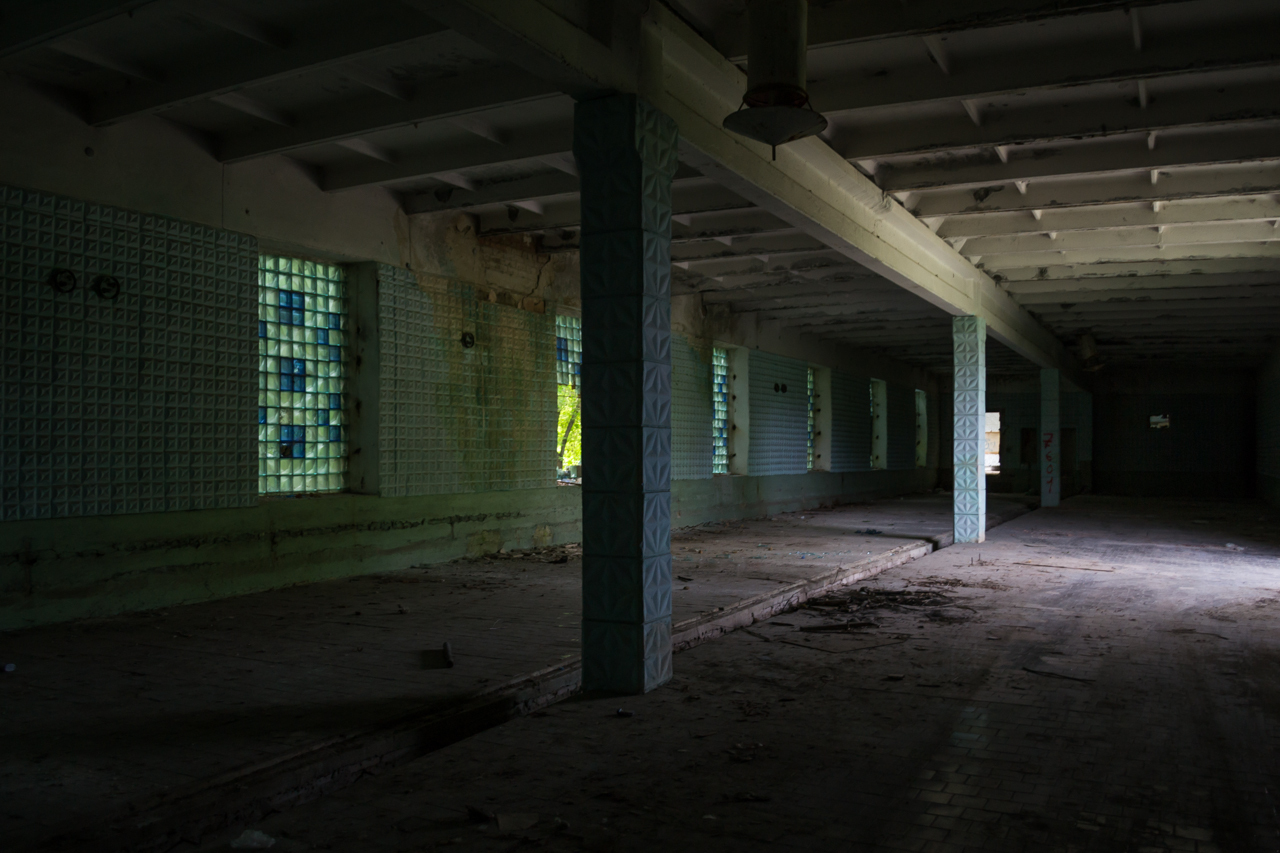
(103, 715)
(1100, 677)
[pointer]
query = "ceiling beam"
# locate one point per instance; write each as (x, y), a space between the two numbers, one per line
(809, 185)
(1136, 287)
(531, 144)
(1152, 237)
(1218, 251)
(1115, 188)
(849, 21)
(341, 35)
(25, 24)
(1238, 145)
(498, 192)
(1108, 115)
(369, 113)
(1136, 269)
(1100, 61)
(1062, 220)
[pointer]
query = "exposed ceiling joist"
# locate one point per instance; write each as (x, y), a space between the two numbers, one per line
(1238, 145)
(532, 144)
(1101, 257)
(1145, 268)
(341, 35)
(850, 21)
(25, 24)
(1115, 188)
(1161, 235)
(1074, 120)
(368, 114)
(1250, 209)
(1045, 68)
(1135, 287)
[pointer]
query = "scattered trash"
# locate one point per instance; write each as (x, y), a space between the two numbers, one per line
(749, 797)
(253, 839)
(711, 816)
(516, 822)
(441, 658)
(837, 626)
(624, 713)
(562, 825)
(1231, 546)
(894, 677)
(683, 578)
(546, 554)
(868, 532)
(10, 667)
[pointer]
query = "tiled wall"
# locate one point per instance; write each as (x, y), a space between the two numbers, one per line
(691, 410)
(779, 420)
(850, 422)
(139, 403)
(462, 419)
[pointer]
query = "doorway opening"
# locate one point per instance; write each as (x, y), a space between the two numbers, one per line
(992, 461)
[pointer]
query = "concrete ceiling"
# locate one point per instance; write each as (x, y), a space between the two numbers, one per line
(1114, 167)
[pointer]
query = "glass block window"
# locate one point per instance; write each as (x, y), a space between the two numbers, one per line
(720, 411)
(568, 397)
(568, 351)
(809, 439)
(302, 430)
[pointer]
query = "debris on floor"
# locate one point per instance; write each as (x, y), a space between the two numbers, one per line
(253, 839)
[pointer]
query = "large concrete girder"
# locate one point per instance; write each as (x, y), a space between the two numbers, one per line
(1116, 188)
(1238, 145)
(809, 186)
(1097, 219)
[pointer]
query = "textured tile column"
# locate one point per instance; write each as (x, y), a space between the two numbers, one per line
(1050, 458)
(626, 154)
(969, 342)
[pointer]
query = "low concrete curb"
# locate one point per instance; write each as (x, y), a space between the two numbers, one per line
(247, 793)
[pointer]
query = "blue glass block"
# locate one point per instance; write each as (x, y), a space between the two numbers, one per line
(335, 401)
(299, 367)
(335, 353)
(262, 328)
(322, 337)
(299, 300)
(335, 321)
(299, 450)
(298, 316)
(284, 298)
(322, 417)
(286, 450)
(262, 414)
(335, 433)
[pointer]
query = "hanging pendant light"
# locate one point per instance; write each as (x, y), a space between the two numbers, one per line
(775, 110)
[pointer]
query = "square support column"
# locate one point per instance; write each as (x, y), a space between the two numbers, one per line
(626, 155)
(969, 494)
(1050, 457)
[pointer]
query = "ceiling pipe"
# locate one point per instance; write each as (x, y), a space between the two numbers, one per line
(775, 110)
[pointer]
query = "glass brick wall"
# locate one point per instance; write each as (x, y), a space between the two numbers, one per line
(568, 394)
(302, 441)
(720, 410)
(809, 449)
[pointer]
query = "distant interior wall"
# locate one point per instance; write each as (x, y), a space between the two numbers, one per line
(1017, 399)
(1269, 430)
(1207, 452)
